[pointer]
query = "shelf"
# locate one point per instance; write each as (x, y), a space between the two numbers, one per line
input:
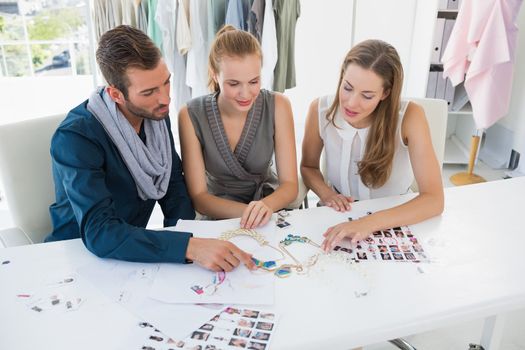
(466, 110)
(455, 151)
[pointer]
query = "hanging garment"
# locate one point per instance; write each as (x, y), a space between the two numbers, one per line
(183, 27)
(256, 19)
(216, 17)
(116, 12)
(128, 13)
(342, 157)
(243, 174)
(154, 31)
(197, 63)
(286, 14)
(141, 13)
(237, 13)
(481, 50)
(166, 16)
(100, 18)
(268, 47)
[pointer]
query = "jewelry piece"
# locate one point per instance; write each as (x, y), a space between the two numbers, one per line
(299, 267)
(211, 288)
(269, 265)
(283, 213)
(338, 257)
(284, 270)
(281, 222)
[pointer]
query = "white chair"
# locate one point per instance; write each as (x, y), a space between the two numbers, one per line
(25, 171)
(436, 111)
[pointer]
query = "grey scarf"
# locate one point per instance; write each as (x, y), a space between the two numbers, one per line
(150, 163)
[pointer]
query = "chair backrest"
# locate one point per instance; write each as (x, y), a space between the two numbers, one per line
(25, 170)
(436, 111)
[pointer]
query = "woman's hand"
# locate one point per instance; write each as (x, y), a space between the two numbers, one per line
(356, 230)
(338, 202)
(256, 214)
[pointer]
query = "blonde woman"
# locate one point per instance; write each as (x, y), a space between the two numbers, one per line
(374, 145)
(229, 138)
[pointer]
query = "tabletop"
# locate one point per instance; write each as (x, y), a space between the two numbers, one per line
(475, 250)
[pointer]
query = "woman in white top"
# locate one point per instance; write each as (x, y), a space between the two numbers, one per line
(374, 145)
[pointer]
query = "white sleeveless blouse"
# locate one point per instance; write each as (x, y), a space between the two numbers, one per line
(338, 148)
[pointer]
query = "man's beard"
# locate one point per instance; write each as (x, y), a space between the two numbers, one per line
(142, 113)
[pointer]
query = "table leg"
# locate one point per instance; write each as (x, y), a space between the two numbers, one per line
(492, 332)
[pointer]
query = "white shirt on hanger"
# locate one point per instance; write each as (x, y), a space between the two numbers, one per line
(183, 35)
(268, 47)
(197, 64)
(165, 18)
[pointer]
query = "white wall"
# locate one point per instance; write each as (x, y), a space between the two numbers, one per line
(406, 24)
(322, 39)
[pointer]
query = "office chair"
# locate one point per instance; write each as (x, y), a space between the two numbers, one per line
(436, 111)
(25, 171)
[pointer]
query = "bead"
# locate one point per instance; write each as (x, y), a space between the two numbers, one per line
(283, 271)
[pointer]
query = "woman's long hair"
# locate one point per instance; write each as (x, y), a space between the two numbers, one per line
(381, 58)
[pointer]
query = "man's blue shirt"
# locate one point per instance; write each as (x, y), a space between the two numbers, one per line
(97, 199)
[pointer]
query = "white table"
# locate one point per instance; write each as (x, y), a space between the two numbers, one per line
(476, 245)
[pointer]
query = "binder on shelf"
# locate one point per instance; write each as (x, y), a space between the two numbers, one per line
(440, 86)
(460, 98)
(447, 30)
(438, 40)
(431, 84)
(452, 4)
(449, 93)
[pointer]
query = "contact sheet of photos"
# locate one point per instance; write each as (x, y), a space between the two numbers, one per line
(232, 328)
(235, 328)
(396, 244)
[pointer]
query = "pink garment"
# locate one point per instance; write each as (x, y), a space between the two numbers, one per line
(481, 50)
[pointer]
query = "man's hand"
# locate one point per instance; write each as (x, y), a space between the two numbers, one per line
(217, 255)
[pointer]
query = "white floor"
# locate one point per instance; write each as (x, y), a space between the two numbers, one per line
(454, 337)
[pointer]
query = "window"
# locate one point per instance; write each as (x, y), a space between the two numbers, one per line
(44, 37)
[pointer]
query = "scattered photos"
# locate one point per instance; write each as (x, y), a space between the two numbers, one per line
(232, 328)
(396, 244)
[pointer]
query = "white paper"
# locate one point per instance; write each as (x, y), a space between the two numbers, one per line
(128, 284)
(194, 284)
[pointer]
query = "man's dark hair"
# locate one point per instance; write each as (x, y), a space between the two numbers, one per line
(122, 48)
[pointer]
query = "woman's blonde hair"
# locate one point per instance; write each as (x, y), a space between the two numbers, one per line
(383, 59)
(232, 42)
